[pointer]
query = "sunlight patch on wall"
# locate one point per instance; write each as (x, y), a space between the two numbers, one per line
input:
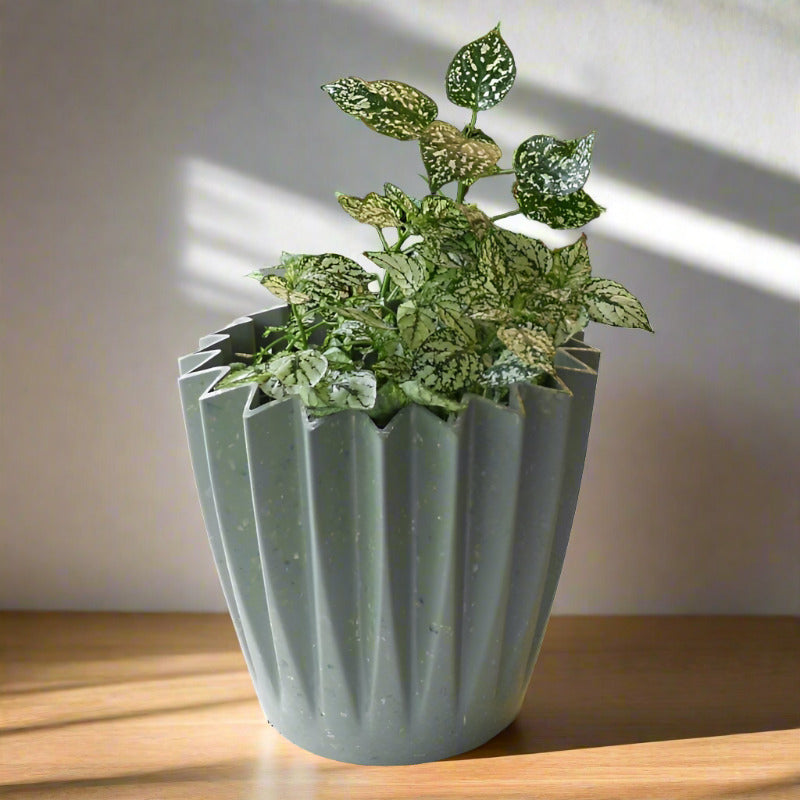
(676, 230)
(236, 224)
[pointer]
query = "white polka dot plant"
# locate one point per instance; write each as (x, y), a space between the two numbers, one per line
(460, 304)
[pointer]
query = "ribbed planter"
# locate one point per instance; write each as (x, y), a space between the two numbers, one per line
(390, 587)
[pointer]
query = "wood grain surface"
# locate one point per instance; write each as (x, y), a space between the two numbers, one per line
(160, 706)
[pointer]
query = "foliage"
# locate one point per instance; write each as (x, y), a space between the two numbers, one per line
(459, 305)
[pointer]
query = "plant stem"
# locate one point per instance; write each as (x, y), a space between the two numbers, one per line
(507, 214)
(298, 318)
(471, 126)
(383, 240)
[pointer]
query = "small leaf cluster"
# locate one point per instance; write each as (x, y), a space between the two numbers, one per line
(454, 304)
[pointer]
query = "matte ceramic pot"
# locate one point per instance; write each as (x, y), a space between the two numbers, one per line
(390, 587)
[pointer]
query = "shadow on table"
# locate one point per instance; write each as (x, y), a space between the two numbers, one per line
(595, 687)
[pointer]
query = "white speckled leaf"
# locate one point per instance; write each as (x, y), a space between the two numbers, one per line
(571, 266)
(279, 286)
(445, 366)
(448, 155)
(415, 323)
(389, 107)
(303, 368)
(611, 303)
(372, 210)
(404, 206)
(524, 255)
(417, 393)
(367, 316)
(328, 277)
(531, 345)
(560, 212)
(510, 368)
(452, 316)
(482, 72)
(551, 166)
(356, 389)
(405, 271)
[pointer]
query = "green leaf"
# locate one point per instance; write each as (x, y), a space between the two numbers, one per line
(405, 207)
(279, 286)
(448, 155)
(527, 257)
(531, 345)
(559, 212)
(356, 389)
(329, 277)
(451, 315)
(509, 368)
(550, 166)
(445, 366)
(303, 368)
(478, 221)
(611, 303)
(389, 107)
(418, 393)
(405, 271)
(416, 323)
(365, 315)
(389, 400)
(482, 72)
(571, 267)
(371, 210)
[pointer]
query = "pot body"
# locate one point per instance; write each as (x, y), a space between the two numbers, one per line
(390, 587)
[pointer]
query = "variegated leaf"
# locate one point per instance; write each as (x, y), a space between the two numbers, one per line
(478, 221)
(532, 345)
(372, 210)
(611, 303)
(415, 323)
(365, 315)
(280, 287)
(418, 393)
(560, 212)
(404, 207)
(571, 267)
(451, 315)
(482, 72)
(448, 155)
(405, 271)
(302, 368)
(329, 277)
(445, 366)
(550, 166)
(356, 389)
(509, 368)
(574, 319)
(389, 107)
(523, 254)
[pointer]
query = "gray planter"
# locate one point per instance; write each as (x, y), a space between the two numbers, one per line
(390, 587)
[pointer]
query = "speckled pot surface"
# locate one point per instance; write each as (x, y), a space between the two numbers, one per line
(390, 587)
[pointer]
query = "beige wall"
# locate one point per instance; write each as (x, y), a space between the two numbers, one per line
(153, 151)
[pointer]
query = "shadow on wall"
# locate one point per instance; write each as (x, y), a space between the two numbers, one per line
(689, 499)
(160, 151)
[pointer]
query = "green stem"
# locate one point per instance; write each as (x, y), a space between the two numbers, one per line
(383, 240)
(298, 318)
(507, 214)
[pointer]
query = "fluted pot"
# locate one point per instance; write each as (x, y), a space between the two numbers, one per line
(390, 587)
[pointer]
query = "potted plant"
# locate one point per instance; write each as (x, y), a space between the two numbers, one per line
(389, 462)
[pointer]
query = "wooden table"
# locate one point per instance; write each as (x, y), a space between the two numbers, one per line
(160, 706)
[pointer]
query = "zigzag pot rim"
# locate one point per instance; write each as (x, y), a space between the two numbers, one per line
(390, 587)
(576, 355)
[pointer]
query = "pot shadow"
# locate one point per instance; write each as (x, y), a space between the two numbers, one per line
(628, 680)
